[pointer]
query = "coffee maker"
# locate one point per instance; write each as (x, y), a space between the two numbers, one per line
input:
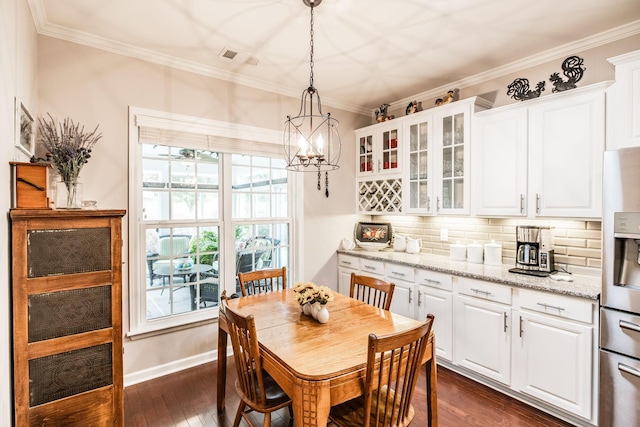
(533, 250)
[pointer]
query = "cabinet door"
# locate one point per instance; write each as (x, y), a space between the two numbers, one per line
(365, 155)
(389, 160)
(403, 299)
(554, 360)
(623, 103)
(344, 280)
(499, 158)
(440, 304)
(418, 173)
(567, 144)
(482, 337)
(452, 141)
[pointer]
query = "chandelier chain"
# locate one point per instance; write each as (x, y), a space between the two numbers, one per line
(311, 46)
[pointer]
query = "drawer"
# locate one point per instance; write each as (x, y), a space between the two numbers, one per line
(484, 290)
(433, 279)
(368, 266)
(399, 272)
(557, 305)
(348, 261)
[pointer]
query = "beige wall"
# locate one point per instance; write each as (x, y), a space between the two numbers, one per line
(18, 78)
(96, 87)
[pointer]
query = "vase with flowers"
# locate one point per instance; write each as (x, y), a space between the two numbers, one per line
(313, 299)
(69, 148)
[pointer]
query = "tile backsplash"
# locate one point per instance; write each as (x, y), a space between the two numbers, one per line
(576, 243)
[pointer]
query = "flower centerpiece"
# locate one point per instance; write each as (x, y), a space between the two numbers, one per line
(69, 148)
(313, 299)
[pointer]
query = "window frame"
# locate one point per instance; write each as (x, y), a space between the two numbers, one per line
(223, 137)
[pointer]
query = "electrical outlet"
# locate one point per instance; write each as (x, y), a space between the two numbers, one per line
(444, 235)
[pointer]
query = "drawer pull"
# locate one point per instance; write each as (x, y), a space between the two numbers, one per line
(346, 262)
(629, 325)
(419, 298)
(410, 292)
(370, 267)
(396, 273)
(521, 331)
(480, 291)
(433, 282)
(505, 321)
(555, 307)
(628, 369)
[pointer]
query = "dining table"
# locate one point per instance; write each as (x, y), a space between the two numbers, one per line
(318, 365)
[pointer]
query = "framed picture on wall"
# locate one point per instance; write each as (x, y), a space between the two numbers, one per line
(25, 138)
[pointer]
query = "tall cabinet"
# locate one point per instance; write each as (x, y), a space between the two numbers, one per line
(67, 317)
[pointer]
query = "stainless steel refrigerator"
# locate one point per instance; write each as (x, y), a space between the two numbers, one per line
(620, 311)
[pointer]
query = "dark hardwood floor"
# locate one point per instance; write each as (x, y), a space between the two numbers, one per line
(188, 399)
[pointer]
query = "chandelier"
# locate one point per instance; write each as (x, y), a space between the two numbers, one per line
(311, 139)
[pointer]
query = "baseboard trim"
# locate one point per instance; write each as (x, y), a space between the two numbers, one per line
(169, 368)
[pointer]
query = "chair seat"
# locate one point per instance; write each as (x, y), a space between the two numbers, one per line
(276, 397)
(351, 412)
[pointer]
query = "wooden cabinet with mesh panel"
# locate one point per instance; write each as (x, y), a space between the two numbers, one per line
(67, 317)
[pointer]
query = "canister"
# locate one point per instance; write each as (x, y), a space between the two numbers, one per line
(457, 252)
(493, 253)
(474, 253)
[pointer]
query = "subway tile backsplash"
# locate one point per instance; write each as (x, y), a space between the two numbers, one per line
(577, 244)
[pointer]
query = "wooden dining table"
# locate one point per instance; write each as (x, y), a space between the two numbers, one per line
(318, 365)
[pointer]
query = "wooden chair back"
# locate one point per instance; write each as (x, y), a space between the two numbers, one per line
(255, 282)
(371, 290)
(256, 388)
(393, 368)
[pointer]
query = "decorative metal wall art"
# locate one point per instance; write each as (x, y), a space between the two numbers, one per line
(519, 89)
(572, 69)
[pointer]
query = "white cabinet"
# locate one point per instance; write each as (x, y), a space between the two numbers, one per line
(554, 350)
(541, 158)
(623, 103)
(347, 264)
(373, 268)
(418, 174)
(566, 147)
(451, 140)
(403, 300)
(499, 162)
(379, 168)
(435, 296)
(379, 149)
(482, 335)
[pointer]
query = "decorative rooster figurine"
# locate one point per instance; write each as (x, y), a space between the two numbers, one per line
(519, 89)
(572, 68)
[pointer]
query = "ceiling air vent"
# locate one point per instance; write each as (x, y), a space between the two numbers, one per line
(238, 57)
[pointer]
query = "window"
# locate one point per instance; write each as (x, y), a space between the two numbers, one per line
(205, 211)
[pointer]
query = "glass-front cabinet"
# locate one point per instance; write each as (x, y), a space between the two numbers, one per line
(379, 149)
(419, 175)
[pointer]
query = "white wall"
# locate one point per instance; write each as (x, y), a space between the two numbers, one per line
(95, 87)
(18, 42)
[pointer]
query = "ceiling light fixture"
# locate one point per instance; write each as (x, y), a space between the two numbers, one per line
(311, 139)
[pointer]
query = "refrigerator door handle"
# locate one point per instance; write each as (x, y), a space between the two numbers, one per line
(629, 325)
(628, 369)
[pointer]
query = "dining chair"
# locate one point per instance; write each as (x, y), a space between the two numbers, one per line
(393, 368)
(255, 387)
(255, 282)
(373, 291)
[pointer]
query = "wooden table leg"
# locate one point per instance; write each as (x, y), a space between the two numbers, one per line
(311, 403)
(222, 367)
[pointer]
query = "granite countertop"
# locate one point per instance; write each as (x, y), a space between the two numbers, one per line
(582, 286)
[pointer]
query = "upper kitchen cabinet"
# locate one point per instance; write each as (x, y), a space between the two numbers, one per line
(566, 145)
(418, 175)
(379, 168)
(449, 157)
(541, 158)
(623, 103)
(379, 149)
(499, 162)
